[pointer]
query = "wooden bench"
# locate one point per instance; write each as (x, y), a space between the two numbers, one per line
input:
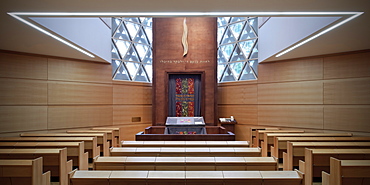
(112, 140)
(115, 132)
(186, 163)
(90, 143)
(317, 160)
(75, 150)
(270, 140)
(185, 177)
(186, 151)
(25, 172)
(347, 172)
(296, 150)
(101, 138)
(54, 160)
(184, 144)
(260, 134)
(252, 133)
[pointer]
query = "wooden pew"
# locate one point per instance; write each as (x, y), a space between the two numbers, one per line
(317, 160)
(101, 138)
(296, 150)
(347, 172)
(75, 150)
(90, 143)
(186, 163)
(185, 144)
(185, 177)
(186, 151)
(260, 134)
(252, 133)
(54, 160)
(277, 152)
(25, 172)
(115, 131)
(109, 133)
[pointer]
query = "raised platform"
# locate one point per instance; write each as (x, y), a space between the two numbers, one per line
(156, 133)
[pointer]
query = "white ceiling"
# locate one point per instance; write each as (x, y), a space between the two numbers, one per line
(352, 36)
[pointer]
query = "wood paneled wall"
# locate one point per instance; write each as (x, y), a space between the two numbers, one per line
(325, 93)
(41, 93)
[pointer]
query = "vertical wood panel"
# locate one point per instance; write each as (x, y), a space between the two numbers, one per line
(308, 92)
(122, 114)
(23, 92)
(347, 117)
(69, 70)
(23, 118)
(348, 91)
(243, 114)
(79, 93)
(79, 116)
(23, 66)
(301, 116)
(347, 66)
(246, 94)
(297, 70)
(129, 94)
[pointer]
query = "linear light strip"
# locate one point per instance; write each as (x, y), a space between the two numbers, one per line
(52, 35)
(319, 34)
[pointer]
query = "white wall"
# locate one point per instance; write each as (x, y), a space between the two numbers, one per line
(89, 33)
(279, 33)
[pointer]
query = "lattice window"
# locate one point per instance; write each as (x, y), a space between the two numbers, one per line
(132, 48)
(237, 48)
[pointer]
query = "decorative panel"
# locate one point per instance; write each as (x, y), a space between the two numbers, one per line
(347, 66)
(79, 116)
(347, 117)
(79, 93)
(200, 58)
(69, 70)
(348, 91)
(296, 70)
(243, 114)
(299, 116)
(23, 66)
(23, 92)
(307, 92)
(243, 94)
(23, 118)
(122, 114)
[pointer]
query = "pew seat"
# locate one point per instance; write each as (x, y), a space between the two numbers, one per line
(347, 172)
(186, 163)
(90, 143)
(54, 160)
(295, 151)
(184, 144)
(186, 151)
(101, 138)
(317, 160)
(22, 171)
(75, 150)
(185, 177)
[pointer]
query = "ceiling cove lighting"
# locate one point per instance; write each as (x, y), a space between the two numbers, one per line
(18, 15)
(319, 34)
(53, 36)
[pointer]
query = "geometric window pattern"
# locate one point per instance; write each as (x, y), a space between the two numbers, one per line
(237, 57)
(132, 48)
